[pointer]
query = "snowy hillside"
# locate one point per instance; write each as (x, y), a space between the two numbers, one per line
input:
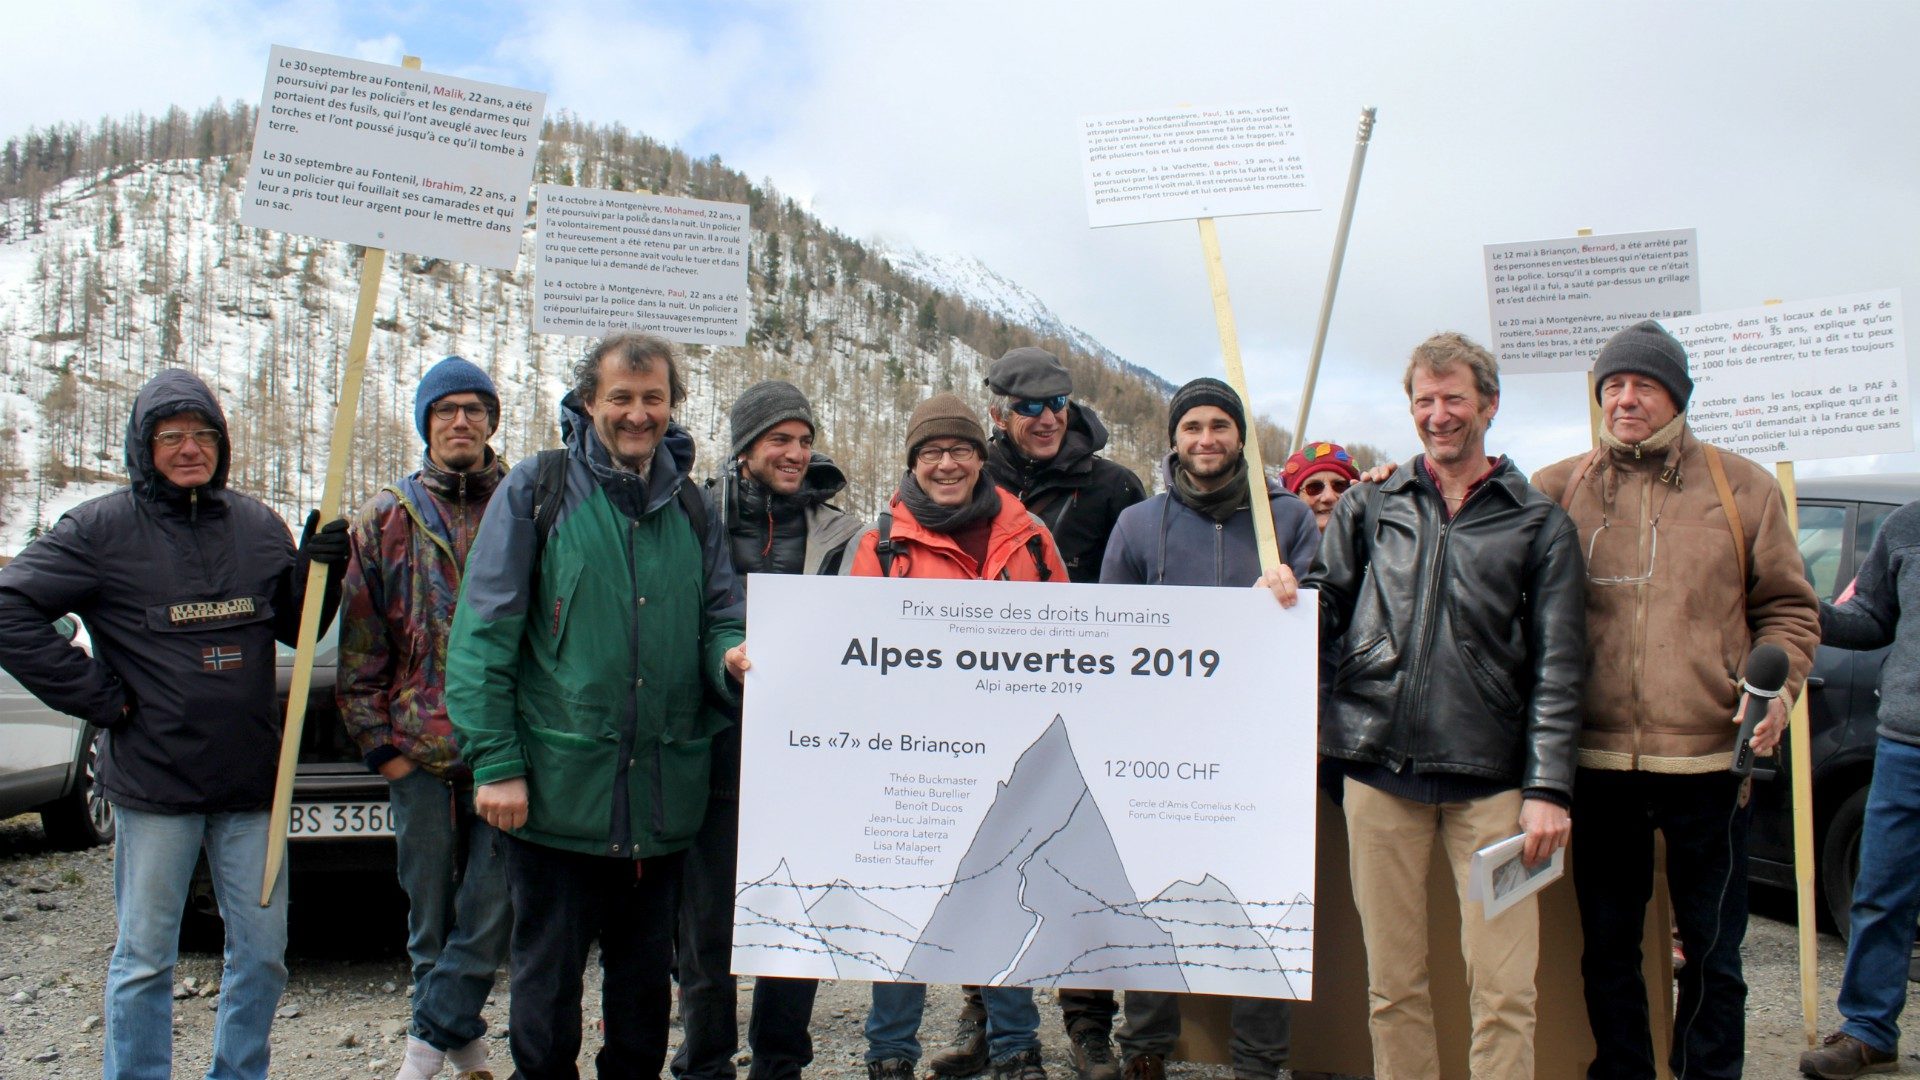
(110, 273)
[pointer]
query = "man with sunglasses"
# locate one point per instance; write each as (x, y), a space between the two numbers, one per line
(184, 586)
(1320, 472)
(410, 545)
(1690, 564)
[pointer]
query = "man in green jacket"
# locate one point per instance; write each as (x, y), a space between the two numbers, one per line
(577, 680)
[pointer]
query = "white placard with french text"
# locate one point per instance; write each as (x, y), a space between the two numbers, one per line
(1801, 380)
(1194, 163)
(392, 158)
(1555, 302)
(623, 260)
(1037, 784)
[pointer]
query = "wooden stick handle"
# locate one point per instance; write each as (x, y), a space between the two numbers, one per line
(1800, 767)
(1237, 377)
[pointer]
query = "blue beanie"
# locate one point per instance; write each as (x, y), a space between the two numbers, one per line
(454, 375)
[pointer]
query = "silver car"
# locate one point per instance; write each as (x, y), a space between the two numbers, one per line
(47, 760)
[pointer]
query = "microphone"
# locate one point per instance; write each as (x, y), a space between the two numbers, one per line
(1766, 674)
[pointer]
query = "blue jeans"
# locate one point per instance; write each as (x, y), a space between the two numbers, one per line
(153, 860)
(893, 1022)
(1886, 900)
(453, 868)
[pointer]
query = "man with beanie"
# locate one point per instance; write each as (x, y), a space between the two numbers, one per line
(947, 520)
(1320, 472)
(410, 545)
(1452, 656)
(771, 503)
(1044, 450)
(185, 585)
(1690, 564)
(598, 619)
(1200, 532)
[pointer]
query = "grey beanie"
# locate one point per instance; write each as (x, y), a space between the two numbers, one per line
(1205, 391)
(1645, 348)
(943, 416)
(1029, 372)
(761, 407)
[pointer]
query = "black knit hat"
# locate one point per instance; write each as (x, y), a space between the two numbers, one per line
(1205, 391)
(763, 405)
(943, 416)
(1029, 372)
(1645, 348)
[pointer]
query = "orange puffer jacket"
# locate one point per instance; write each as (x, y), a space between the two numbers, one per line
(920, 552)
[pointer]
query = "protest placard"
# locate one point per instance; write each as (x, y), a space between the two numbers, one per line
(1555, 302)
(621, 260)
(1193, 163)
(393, 158)
(1801, 380)
(1028, 784)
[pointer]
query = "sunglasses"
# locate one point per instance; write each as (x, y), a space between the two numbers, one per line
(1036, 406)
(1315, 487)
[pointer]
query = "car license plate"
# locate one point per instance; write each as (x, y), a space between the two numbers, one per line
(324, 820)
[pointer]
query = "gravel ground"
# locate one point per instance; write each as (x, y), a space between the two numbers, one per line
(345, 1009)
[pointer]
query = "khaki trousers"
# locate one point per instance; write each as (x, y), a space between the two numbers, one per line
(1391, 845)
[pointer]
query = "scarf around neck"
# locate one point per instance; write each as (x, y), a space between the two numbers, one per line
(945, 519)
(1222, 502)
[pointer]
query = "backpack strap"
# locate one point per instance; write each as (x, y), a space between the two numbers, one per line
(1579, 474)
(1719, 473)
(549, 488)
(1037, 549)
(883, 548)
(696, 508)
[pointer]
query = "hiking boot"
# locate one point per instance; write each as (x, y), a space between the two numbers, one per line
(1843, 1057)
(890, 1069)
(1023, 1065)
(966, 1055)
(1093, 1056)
(1145, 1067)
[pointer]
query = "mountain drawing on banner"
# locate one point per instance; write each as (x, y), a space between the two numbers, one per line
(1044, 862)
(1042, 898)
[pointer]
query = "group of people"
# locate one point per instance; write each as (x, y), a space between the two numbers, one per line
(545, 663)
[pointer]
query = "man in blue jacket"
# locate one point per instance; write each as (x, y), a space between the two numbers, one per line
(184, 587)
(1200, 532)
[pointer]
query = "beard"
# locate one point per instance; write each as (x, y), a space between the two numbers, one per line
(464, 459)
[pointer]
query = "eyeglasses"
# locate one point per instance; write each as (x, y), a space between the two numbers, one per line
(476, 411)
(1315, 487)
(1653, 552)
(205, 438)
(1035, 406)
(961, 453)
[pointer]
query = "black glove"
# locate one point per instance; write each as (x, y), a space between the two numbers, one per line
(329, 546)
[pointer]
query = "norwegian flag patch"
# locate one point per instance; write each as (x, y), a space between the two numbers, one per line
(219, 657)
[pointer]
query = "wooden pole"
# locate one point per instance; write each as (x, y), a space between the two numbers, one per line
(1237, 377)
(1361, 140)
(1800, 766)
(371, 265)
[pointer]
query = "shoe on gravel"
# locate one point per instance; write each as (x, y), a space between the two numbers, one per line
(1145, 1067)
(1093, 1056)
(474, 1074)
(966, 1054)
(890, 1069)
(1843, 1057)
(1021, 1065)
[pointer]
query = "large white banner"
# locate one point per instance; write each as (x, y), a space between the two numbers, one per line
(1801, 380)
(1028, 784)
(1555, 302)
(393, 158)
(625, 260)
(1194, 163)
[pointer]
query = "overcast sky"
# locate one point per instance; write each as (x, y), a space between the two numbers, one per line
(1787, 134)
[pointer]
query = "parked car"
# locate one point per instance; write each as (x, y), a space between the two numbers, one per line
(1839, 517)
(47, 760)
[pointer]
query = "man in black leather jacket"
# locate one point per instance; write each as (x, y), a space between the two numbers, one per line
(1453, 639)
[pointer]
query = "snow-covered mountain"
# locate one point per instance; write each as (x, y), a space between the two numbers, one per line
(119, 256)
